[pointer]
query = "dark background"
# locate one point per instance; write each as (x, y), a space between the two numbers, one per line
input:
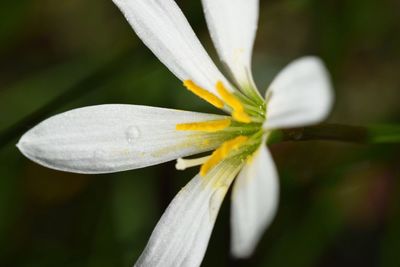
(339, 202)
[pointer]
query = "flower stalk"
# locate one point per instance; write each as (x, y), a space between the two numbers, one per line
(378, 134)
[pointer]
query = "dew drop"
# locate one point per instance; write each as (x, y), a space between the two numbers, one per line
(132, 133)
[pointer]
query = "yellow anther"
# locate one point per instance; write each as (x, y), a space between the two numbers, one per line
(203, 94)
(239, 113)
(221, 153)
(241, 116)
(228, 97)
(206, 126)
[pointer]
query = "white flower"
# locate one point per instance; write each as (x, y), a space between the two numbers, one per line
(111, 138)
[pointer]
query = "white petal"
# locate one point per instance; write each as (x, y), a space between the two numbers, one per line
(254, 202)
(233, 26)
(164, 29)
(300, 95)
(182, 234)
(110, 138)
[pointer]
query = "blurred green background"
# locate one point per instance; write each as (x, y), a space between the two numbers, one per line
(340, 203)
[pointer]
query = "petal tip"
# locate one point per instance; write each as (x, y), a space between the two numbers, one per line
(27, 148)
(242, 253)
(19, 145)
(22, 145)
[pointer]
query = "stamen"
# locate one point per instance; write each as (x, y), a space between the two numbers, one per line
(221, 153)
(241, 116)
(206, 126)
(238, 110)
(183, 164)
(203, 94)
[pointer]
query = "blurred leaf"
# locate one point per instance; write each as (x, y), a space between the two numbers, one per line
(12, 15)
(133, 198)
(10, 197)
(28, 94)
(304, 239)
(391, 239)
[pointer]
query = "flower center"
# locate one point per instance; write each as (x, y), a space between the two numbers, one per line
(242, 132)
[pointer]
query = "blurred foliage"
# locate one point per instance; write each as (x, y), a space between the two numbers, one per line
(339, 202)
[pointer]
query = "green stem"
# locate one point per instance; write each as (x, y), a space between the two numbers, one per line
(340, 133)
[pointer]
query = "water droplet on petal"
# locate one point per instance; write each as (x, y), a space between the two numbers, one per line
(132, 133)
